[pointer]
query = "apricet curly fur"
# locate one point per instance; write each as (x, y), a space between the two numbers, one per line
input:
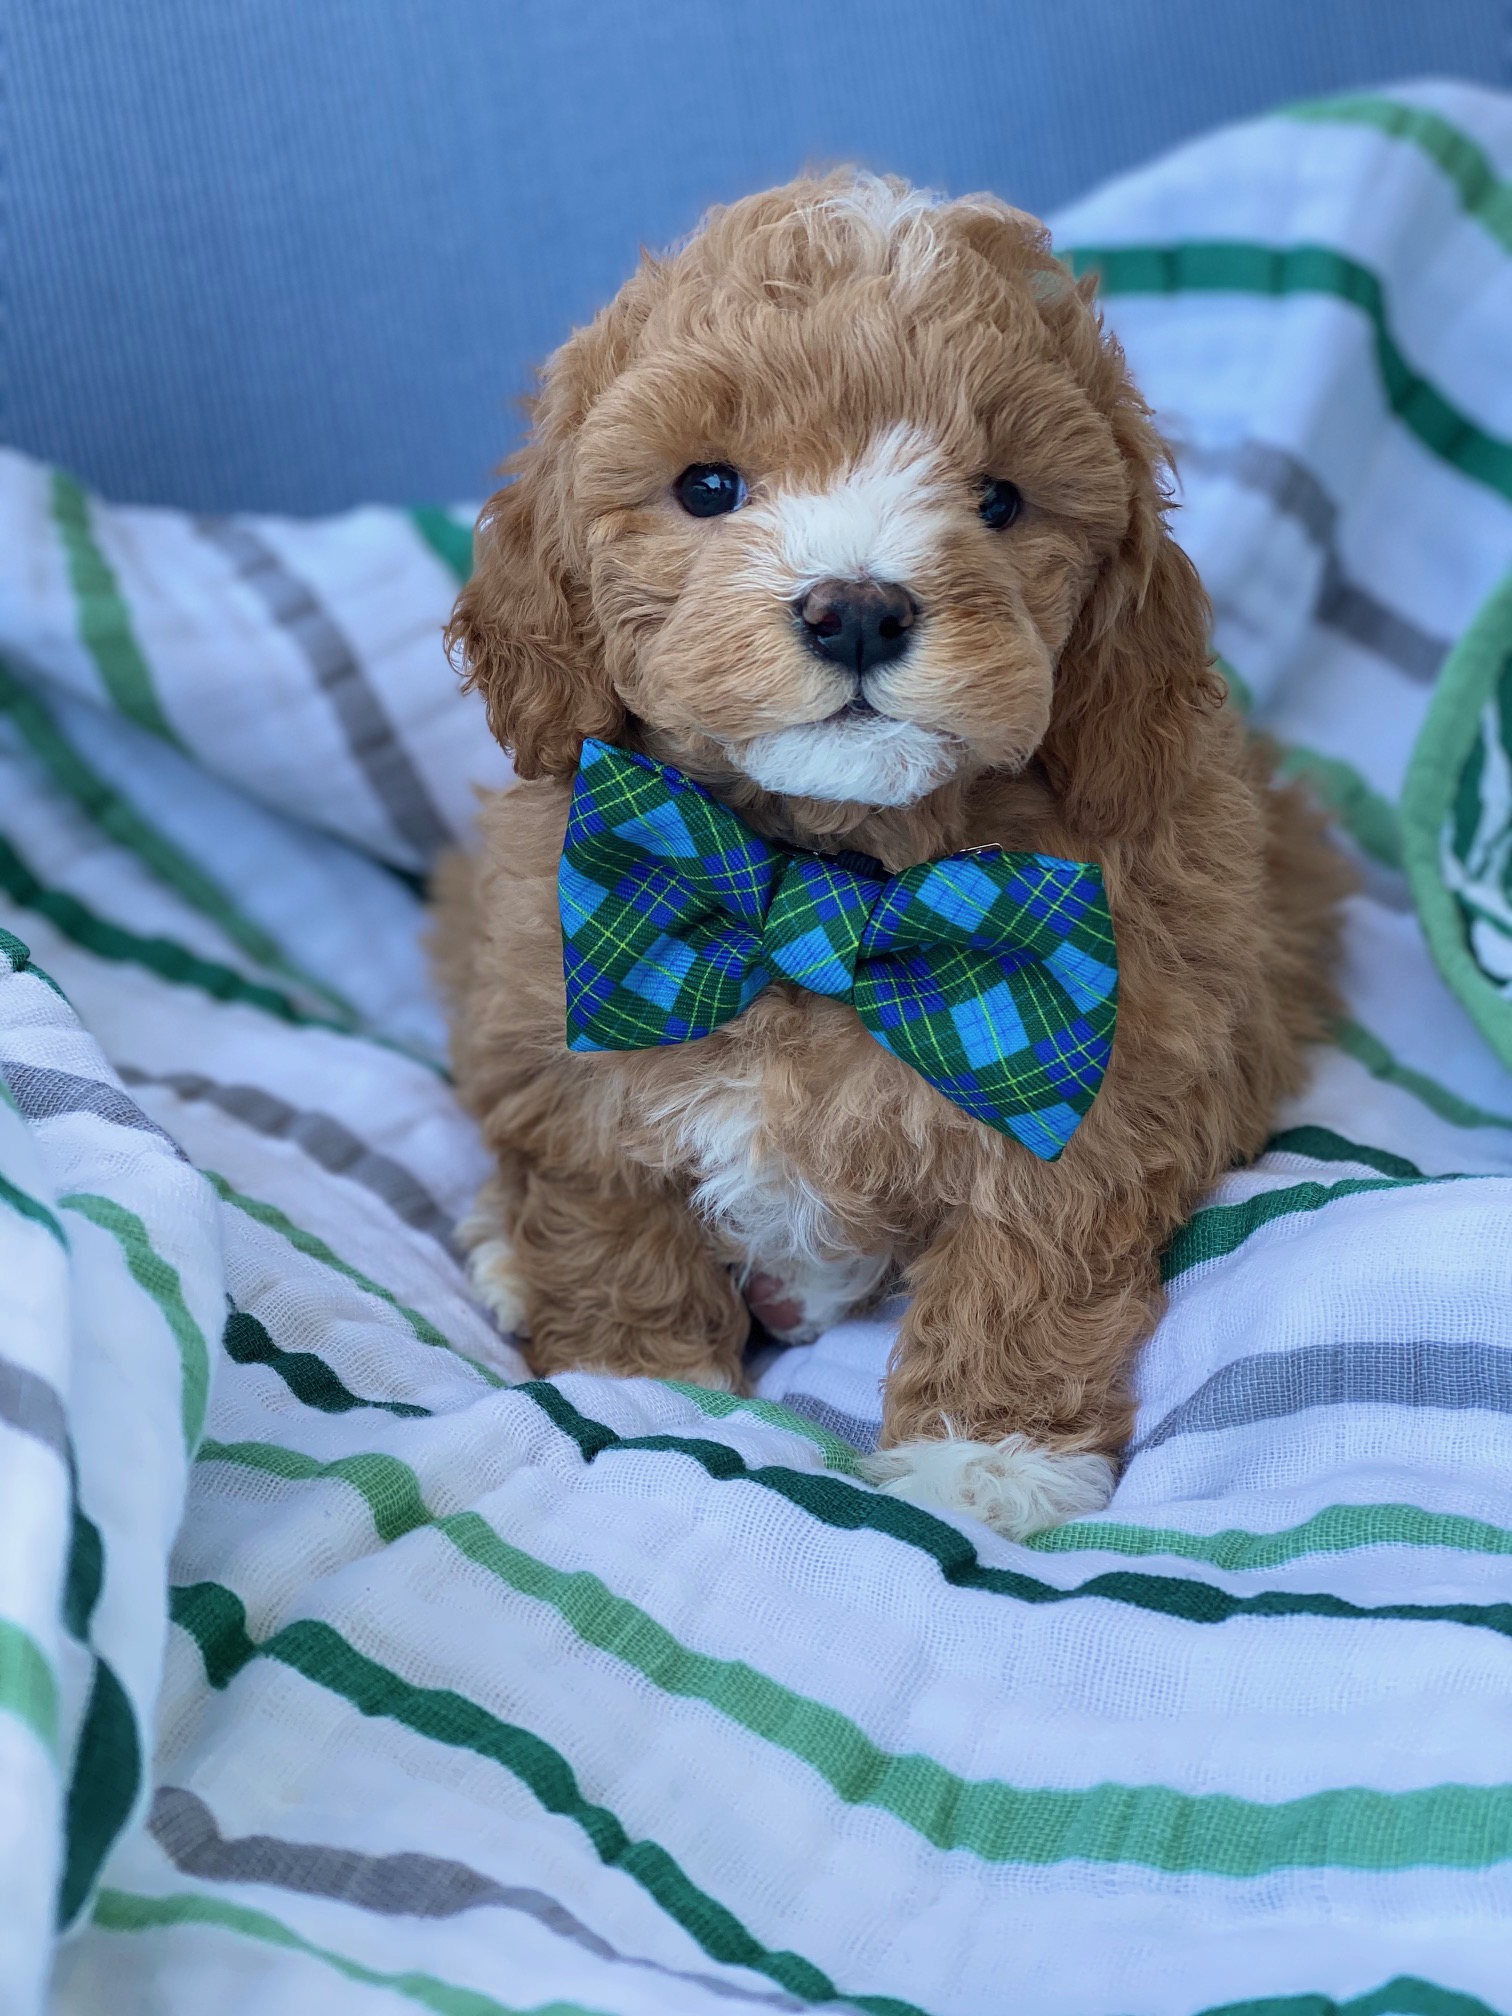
(1063, 664)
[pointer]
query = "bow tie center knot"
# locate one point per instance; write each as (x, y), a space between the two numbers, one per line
(816, 922)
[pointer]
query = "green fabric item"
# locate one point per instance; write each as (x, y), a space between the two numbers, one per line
(993, 975)
(1457, 821)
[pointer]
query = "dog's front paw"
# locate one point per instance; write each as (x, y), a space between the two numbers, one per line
(1015, 1486)
(497, 1284)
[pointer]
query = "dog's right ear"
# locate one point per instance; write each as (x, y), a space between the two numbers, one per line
(523, 634)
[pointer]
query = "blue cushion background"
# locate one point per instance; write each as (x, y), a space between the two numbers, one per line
(287, 254)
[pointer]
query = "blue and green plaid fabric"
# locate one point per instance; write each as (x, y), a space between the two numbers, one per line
(994, 975)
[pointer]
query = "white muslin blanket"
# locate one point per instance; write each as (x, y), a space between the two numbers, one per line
(343, 1666)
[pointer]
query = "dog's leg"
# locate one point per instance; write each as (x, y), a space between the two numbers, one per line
(606, 1279)
(1007, 1395)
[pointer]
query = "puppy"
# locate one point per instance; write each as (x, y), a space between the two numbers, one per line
(849, 512)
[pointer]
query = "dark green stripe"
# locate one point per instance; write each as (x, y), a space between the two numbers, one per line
(107, 1773)
(1482, 194)
(166, 960)
(307, 1377)
(315, 1248)
(104, 620)
(847, 1508)
(107, 1762)
(158, 1278)
(1321, 1144)
(1407, 1995)
(1221, 1229)
(18, 958)
(85, 1577)
(1225, 268)
(450, 542)
(322, 1656)
(161, 957)
(116, 816)
(217, 1622)
(121, 1911)
(28, 1207)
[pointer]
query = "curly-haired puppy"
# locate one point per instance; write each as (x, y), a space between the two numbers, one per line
(848, 411)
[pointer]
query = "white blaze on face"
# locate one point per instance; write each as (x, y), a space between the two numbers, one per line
(881, 519)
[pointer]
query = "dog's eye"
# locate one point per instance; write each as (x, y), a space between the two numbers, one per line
(999, 504)
(709, 489)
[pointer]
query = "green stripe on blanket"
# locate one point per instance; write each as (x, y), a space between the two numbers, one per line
(628, 1695)
(1216, 267)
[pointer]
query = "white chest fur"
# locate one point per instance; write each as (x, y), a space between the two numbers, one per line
(799, 1270)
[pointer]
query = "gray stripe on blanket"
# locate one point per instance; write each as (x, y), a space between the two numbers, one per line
(395, 1886)
(370, 735)
(850, 1428)
(32, 1407)
(45, 1094)
(1340, 603)
(1272, 1384)
(325, 1140)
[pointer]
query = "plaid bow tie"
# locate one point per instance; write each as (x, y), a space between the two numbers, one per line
(994, 975)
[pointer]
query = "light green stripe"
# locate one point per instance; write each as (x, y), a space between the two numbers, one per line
(104, 619)
(450, 542)
(1482, 194)
(1219, 267)
(1239, 688)
(123, 1911)
(27, 1687)
(315, 1248)
(1369, 819)
(1154, 1826)
(27, 1206)
(838, 1455)
(1337, 1529)
(156, 1277)
(1369, 1050)
(115, 815)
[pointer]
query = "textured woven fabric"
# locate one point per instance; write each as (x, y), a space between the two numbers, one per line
(993, 974)
(402, 1681)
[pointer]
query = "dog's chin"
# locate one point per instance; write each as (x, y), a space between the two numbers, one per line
(851, 760)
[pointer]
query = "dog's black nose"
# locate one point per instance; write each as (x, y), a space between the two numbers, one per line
(858, 624)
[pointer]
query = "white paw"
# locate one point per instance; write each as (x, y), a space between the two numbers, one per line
(497, 1284)
(1014, 1486)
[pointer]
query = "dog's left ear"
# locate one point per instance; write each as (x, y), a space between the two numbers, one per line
(1135, 685)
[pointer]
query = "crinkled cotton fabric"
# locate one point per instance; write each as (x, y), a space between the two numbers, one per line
(343, 1666)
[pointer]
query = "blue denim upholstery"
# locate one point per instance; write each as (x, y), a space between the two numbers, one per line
(291, 253)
